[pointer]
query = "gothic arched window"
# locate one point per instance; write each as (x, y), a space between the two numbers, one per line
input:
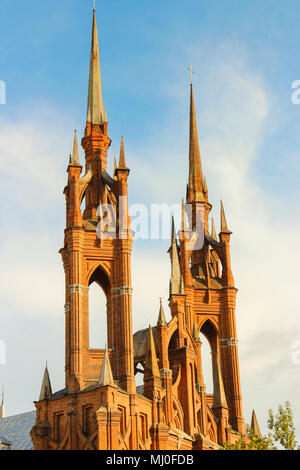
(99, 307)
(97, 317)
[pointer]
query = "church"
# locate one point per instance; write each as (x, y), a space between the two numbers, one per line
(101, 406)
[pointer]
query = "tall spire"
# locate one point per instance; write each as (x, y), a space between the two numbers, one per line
(2, 407)
(95, 112)
(224, 228)
(106, 376)
(75, 156)
(46, 390)
(161, 317)
(255, 426)
(151, 363)
(219, 392)
(195, 168)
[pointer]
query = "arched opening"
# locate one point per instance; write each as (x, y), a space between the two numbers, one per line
(99, 304)
(207, 364)
(139, 376)
(173, 344)
(97, 317)
(209, 339)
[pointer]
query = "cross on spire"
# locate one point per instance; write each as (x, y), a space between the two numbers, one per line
(190, 68)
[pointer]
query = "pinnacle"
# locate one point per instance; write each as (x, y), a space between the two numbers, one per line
(122, 163)
(213, 230)
(224, 228)
(106, 376)
(255, 426)
(151, 359)
(46, 390)
(219, 392)
(161, 317)
(195, 332)
(74, 160)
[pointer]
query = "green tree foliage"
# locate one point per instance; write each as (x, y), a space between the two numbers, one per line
(282, 427)
(253, 443)
(282, 432)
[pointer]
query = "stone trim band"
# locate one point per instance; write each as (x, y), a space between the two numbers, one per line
(78, 289)
(123, 290)
(227, 342)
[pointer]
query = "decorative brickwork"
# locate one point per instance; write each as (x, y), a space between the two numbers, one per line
(101, 407)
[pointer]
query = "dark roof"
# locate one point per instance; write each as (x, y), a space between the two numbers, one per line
(4, 440)
(15, 430)
(59, 394)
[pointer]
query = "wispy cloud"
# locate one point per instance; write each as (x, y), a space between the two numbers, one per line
(233, 112)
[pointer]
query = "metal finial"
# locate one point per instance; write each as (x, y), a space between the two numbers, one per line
(94, 5)
(190, 68)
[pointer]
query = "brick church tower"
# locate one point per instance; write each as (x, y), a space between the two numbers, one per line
(101, 407)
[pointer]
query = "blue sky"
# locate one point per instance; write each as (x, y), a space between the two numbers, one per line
(246, 56)
(144, 48)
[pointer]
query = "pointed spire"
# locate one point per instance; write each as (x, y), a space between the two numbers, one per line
(161, 317)
(195, 167)
(224, 228)
(95, 112)
(196, 333)
(106, 375)
(122, 163)
(151, 363)
(213, 230)
(74, 160)
(219, 392)
(175, 266)
(2, 407)
(255, 426)
(46, 390)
